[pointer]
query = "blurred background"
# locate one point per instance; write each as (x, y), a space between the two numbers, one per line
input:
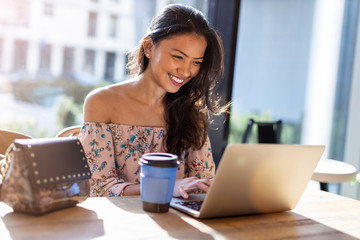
(54, 52)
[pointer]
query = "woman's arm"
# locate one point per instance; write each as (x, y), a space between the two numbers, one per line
(98, 145)
(131, 189)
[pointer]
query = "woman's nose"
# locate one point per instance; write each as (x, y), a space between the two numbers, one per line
(185, 70)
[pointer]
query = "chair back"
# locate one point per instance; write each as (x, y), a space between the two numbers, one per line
(7, 137)
(72, 131)
(267, 132)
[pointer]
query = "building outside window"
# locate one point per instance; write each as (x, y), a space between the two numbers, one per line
(14, 12)
(92, 24)
(113, 24)
(68, 65)
(48, 9)
(89, 61)
(109, 66)
(20, 55)
(45, 57)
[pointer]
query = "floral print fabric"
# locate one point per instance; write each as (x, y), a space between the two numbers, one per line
(113, 151)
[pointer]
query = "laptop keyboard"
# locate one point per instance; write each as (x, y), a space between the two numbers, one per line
(196, 205)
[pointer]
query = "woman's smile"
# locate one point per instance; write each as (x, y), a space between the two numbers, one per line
(177, 81)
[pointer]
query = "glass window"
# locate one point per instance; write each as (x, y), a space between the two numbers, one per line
(45, 57)
(92, 24)
(48, 9)
(294, 62)
(271, 66)
(68, 65)
(89, 61)
(20, 55)
(109, 66)
(14, 13)
(113, 23)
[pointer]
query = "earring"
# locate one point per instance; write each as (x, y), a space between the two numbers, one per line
(147, 54)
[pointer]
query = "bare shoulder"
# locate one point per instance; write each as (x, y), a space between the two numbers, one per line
(95, 101)
(101, 103)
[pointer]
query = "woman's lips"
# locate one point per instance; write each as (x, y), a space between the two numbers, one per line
(177, 81)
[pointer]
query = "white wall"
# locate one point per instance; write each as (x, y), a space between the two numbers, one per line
(323, 69)
(352, 144)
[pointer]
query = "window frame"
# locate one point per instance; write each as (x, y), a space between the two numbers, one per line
(225, 18)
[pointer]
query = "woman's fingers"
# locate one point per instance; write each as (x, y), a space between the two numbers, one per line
(183, 193)
(184, 186)
(203, 186)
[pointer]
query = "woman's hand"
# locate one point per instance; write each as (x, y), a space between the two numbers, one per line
(186, 185)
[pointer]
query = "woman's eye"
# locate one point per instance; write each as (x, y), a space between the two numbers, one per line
(177, 57)
(197, 62)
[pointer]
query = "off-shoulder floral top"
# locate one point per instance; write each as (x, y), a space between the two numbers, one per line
(113, 151)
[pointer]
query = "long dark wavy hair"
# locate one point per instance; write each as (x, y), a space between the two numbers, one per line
(187, 110)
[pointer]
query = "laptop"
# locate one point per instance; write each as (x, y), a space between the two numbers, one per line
(255, 179)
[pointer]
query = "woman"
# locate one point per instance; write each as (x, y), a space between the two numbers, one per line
(164, 108)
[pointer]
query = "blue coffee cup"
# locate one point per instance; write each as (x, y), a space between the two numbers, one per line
(157, 180)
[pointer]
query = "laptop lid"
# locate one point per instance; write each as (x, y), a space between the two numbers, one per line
(258, 178)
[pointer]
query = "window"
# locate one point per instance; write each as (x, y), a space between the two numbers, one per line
(68, 65)
(14, 13)
(92, 24)
(109, 66)
(20, 55)
(89, 61)
(113, 23)
(294, 62)
(45, 57)
(48, 9)
(272, 65)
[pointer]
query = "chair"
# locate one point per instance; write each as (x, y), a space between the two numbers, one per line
(72, 131)
(267, 132)
(7, 137)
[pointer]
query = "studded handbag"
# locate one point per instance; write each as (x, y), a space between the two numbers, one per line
(45, 174)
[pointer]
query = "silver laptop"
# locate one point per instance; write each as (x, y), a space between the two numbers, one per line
(255, 179)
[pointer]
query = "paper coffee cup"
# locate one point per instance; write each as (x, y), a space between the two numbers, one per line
(157, 180)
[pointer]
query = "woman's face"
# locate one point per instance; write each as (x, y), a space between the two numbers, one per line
(176, 60)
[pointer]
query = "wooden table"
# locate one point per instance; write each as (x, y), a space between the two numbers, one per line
(318, 215)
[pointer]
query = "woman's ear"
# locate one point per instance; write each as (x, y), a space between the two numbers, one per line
(147, 45)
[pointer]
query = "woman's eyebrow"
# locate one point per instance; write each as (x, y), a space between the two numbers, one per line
(181, 52)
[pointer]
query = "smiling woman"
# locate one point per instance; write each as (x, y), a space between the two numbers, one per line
(165, 107)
